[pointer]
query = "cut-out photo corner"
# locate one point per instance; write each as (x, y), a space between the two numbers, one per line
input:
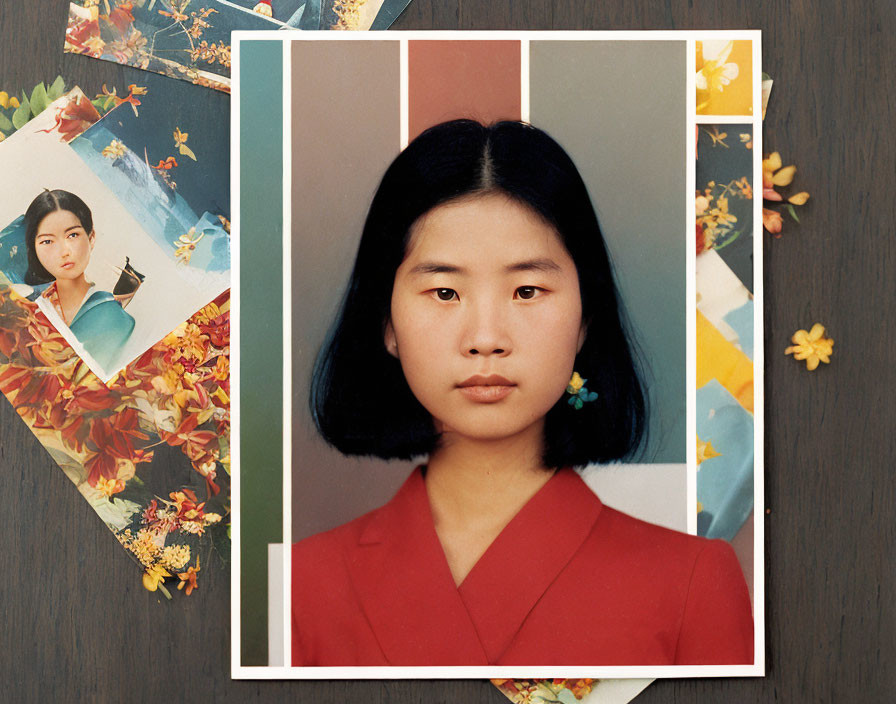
(191, 41)
(425, 359)
(170, 403)
(101, 238)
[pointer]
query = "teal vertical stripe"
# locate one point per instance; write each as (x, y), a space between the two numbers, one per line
(261, 333)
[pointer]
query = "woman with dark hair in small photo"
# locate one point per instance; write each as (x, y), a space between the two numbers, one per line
(482, 329)
(59, 238)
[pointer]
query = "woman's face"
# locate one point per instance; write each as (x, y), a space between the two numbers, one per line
(486, 317)
(62, 245)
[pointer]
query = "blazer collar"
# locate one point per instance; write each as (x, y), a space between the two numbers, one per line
(92, 301)
(419, 616)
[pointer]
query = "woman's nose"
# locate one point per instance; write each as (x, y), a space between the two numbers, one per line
(486, 331)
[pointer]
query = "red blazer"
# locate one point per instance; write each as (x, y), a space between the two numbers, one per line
(568, 581)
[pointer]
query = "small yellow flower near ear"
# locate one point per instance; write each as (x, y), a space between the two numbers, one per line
(575, 383)
(799, 198)
(811, 346)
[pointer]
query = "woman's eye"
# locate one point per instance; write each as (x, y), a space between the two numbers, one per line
(527, 292)
(74, 234)
(445, 294)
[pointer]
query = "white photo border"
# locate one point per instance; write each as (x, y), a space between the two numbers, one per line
(690, 37)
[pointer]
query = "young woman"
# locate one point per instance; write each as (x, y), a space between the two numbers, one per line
(482, 329)
(59, 237)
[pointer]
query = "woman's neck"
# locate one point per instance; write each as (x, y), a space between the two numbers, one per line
(71, 293)
(475, 488)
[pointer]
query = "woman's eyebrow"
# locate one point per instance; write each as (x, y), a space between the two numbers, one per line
(544, 265)
(436, 268)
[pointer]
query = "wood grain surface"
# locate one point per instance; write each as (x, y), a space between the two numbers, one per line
(78, 625)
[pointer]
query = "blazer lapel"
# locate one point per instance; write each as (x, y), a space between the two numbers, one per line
(400, 573)
(92, 301)
(526, 557)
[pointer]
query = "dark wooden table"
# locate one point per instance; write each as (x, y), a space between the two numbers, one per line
(78, 625)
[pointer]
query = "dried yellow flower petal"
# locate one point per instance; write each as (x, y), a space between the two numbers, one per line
(772, 162)
(799, 198)
(784, 176)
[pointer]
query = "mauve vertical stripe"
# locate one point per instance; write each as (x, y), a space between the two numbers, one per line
(448, 79)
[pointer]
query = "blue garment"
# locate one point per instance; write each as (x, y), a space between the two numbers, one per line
(101, 325)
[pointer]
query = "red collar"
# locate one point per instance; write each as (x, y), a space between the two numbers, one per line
(419, 616)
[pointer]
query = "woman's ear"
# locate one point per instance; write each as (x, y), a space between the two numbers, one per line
(92, 239)
(390, 341)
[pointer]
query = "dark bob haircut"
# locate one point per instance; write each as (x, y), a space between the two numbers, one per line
(359, 398)
(46, 203)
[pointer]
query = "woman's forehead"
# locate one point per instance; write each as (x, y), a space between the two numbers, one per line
(488, 231)
(58, 220)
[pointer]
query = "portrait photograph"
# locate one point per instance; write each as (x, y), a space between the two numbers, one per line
(102, 242)
(488, 323)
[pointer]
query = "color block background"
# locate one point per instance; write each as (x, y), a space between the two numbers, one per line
(627, 143)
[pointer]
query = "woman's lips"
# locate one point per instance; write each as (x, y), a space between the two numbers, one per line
(486, 389)
(68, 265)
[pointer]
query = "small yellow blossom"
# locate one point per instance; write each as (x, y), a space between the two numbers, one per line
(799, 198)
(186, 244)
(188, 578)
(575, 383)
(145, 547)
(811, 346)
(705, 451)
(115, 149)
(108, 487)
(7, 100)
(176, 556)
(746, 190)
(715, 73)
(154, 576)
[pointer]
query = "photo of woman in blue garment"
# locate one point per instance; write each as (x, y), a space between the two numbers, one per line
(59, 237)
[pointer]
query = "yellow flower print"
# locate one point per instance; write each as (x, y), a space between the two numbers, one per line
(705, 451)
(180, 143)
(811, 346)
(185, 245)
(108, 487)
(715, 73)
(115, 149)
